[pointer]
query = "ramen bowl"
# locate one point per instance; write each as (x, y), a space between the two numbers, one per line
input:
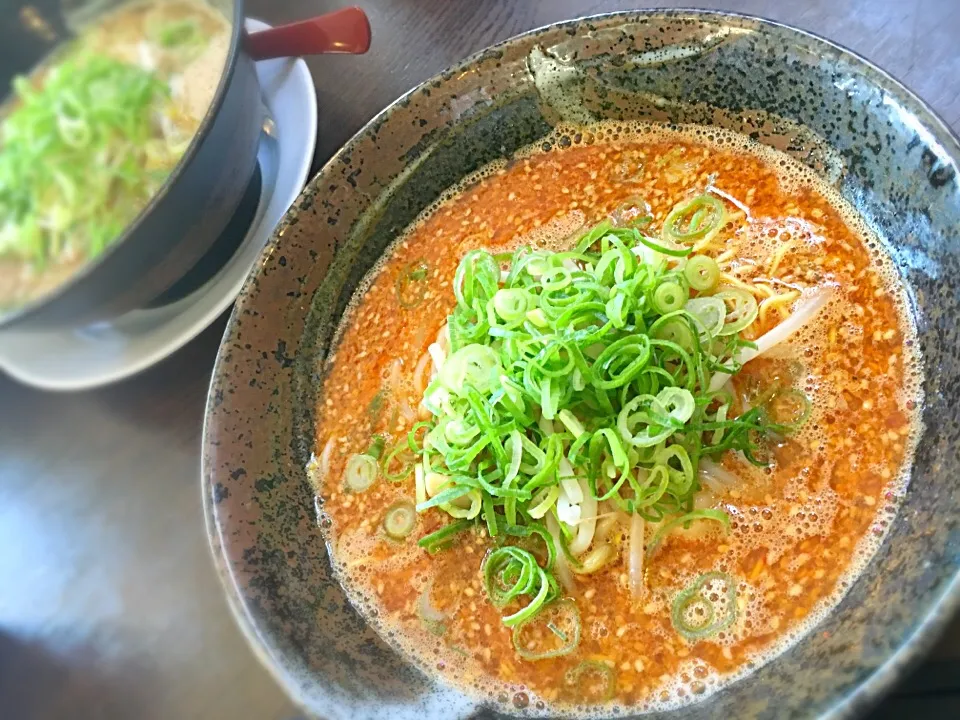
(183, 219)
(861, 131)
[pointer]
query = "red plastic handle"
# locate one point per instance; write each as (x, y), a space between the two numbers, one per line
(342, 31)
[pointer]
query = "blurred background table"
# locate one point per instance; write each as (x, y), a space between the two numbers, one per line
(109, 606)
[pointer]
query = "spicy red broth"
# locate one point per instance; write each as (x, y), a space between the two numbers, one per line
(702, 601)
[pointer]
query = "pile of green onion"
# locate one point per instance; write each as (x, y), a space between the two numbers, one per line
(81, 155)
(575, 378)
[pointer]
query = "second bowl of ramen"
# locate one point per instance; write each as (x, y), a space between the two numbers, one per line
(606, 392)
(124, 155)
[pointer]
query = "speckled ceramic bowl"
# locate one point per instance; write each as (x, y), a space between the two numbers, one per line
(889, 155)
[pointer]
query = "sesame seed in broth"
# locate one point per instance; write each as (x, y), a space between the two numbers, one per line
(801, 530)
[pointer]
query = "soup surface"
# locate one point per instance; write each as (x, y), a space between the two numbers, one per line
(90, 138)
(682, 525)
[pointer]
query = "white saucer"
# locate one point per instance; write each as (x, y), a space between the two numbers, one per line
(100, 354)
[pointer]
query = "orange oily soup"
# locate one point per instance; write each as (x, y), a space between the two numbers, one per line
(629, 526)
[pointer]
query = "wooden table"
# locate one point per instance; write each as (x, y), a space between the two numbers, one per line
(109, 607)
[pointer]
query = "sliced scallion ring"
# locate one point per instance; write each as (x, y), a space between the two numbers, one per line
(788, 409)
(592, 682)
(468, 513)
(360, 472)
(705, 608)
(400, 519)
(676, 330)
(561, 619)
(741, 309)
(706, 514)
(702, 273)
(710, 312)
(669, 297)
(695, 220)
(663, 248)
(511, 305)
(541, 502)
(398, 463)
(678, 403)
(510, 572)
(475, 365)
(376, 447)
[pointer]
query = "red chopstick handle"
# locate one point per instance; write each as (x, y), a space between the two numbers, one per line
(342, 31)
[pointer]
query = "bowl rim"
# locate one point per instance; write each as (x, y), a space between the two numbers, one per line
(20, 313)
(862, 696)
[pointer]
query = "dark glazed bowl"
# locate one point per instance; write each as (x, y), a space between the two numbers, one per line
(186, 216)
(888, 154)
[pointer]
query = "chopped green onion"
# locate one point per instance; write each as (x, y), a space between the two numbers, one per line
(531, 529)
(541, 502)
(593, 682)
(82, 155)
(664, 249)
(375, 406)
(579, 377)
(400, 519)
(447, 493)
(477, 366)
(676, 330)
(702, 273)
(360, 472)
(562, 619)
(511, 305)
(510, 572)
(710, 313)
(376, 447)
(741, 310)
(439, 539)
(537, 317)
(412, 284)
(570, 421)
(400, 454)
(677, 403)
(696, 220)
(669, 297)
(707, 514)
(703, 610)
(468, 513)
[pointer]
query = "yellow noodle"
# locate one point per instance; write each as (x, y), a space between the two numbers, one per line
(761, 291)
(745, 267)
(776, 303)
(726, 256)
(778, 256)
(705, 244)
